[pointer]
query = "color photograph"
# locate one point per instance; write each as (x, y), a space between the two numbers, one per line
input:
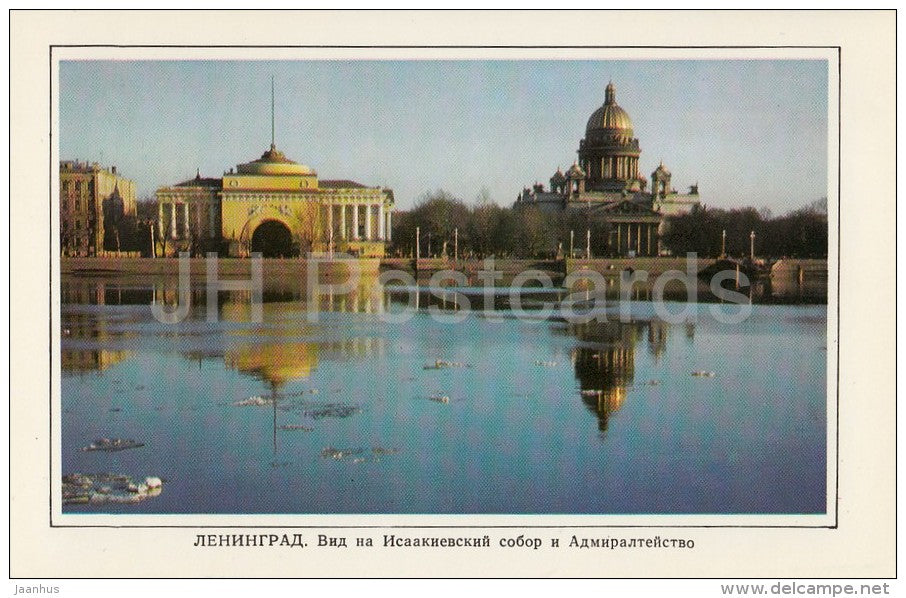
(445, 287)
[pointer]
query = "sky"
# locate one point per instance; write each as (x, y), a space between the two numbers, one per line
(749, 132)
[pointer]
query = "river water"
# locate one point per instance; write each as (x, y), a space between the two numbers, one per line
(343, 412)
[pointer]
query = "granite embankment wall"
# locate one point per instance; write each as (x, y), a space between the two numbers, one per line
(226, 267)
(556, 269)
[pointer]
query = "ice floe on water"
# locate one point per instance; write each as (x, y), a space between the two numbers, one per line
(335, 410)
(253, 402)
(112, 445)
(441, 364)
(358, 454)
(294, 428)
(84, 488)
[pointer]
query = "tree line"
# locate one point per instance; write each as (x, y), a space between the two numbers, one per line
(485, 229)
(801, 233)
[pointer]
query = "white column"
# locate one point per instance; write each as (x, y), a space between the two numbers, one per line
(343, 221)
(381, 224)
(330, 220)
(389, 226)
(330, 226)
(185, 210)
(368, 208)
(355, 222)
(173, 219)
(160, 219)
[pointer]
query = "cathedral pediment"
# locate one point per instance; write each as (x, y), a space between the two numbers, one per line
(629, 208)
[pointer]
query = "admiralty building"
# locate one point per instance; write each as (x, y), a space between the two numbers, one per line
(274, 206)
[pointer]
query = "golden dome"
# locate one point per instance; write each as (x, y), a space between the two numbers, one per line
(610, 116)
(274, 162)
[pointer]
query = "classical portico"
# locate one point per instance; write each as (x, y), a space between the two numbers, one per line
(633, 229)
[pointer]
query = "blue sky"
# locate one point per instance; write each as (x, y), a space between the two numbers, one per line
(750, 132)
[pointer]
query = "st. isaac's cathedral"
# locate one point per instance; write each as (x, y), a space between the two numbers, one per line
(606, 182)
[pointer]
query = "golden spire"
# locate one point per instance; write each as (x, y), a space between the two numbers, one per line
(273, 145)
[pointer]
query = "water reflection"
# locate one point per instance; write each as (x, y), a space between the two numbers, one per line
(277, 353)
(256, 406)
(82, 328)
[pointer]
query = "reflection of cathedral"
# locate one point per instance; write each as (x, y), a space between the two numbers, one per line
(605, 362)
(605, 371)
(606, 182)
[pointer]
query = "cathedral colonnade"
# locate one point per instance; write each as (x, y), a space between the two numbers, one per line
(640, 237)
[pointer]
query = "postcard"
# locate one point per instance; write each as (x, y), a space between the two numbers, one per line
(525, 302)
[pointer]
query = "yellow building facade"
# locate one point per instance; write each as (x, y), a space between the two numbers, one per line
(93, 200)
(276, 207)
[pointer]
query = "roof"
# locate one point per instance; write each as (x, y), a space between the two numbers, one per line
(274, 162)
(341, 184)
(200, 182)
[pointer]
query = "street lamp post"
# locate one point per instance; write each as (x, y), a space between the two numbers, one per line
(418, 249)
(723, 244)
(572, 234)
(588, 244)
(456, 245)
(752, 246)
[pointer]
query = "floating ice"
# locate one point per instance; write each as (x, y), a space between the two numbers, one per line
(112, 444)
(81, 488)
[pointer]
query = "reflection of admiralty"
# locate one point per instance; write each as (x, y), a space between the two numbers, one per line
(265, 356)
(605, 361)
(274, 361)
